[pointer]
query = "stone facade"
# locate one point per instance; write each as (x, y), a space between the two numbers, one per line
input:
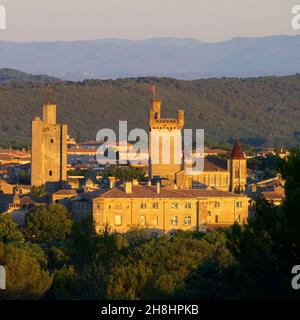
(165, 138)
(164, 210)
(48, 149)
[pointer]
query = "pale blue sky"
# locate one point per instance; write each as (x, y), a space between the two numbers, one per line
(206, 20)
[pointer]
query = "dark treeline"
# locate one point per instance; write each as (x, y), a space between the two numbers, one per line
(53, 258)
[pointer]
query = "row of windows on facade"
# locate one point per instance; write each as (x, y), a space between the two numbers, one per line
(210, 180)
(174, 205)
(154, 220)
(187, 221)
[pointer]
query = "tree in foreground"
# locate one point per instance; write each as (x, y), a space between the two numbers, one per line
(9, 230)
(25, 279)
(48, 224)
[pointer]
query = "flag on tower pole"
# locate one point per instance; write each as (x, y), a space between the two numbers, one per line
(152, 89)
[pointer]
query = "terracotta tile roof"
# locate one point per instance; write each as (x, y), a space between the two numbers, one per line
(277, 194)
(81, 150)
(91, 142)
(142, 191)
(14, 153)
(214, 164)
(237, 152)
(66, 192)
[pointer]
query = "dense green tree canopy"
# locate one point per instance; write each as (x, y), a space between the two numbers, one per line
(9, 231)
(48, 224)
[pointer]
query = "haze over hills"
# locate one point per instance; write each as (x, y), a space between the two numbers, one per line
(261, 111)
(160, 57)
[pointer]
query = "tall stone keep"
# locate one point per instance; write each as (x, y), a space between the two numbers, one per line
(48, 149)
(165, 143)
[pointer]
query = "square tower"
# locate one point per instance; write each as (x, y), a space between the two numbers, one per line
(48, 149)
(165, 143)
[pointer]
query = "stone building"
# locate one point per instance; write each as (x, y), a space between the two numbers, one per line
(165, 139)
(48, 149)
(167, 210)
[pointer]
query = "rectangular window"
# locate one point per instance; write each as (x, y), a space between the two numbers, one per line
(187, 220)
(51, 141)
(154, 205)
(217, 204)
(50, 173)
(174, 220)
(118, 220)
(216, 219)
(239, 204)
(238, 218)
(188, 205)
(213, 181)
(154, 220)
(174, 205)
(142, 220)
(143, 205)
(237, 174)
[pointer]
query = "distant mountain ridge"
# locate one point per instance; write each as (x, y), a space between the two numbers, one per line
(15, 76)
(160, 57)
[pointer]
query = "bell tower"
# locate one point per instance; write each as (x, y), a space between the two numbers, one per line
(237, 165)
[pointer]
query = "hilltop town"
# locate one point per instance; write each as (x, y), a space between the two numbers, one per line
(161, 197)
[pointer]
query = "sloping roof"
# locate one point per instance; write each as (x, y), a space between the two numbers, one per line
(214, 164)
(142, 191)
(277, 194)
(81, 150)
(237, 152)
(66, 192)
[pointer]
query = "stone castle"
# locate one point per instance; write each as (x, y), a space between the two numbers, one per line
(172, 200)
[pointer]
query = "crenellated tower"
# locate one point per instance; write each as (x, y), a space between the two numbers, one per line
(48, 149)
(165, 143)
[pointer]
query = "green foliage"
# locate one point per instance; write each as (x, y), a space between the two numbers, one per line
(267, 165)
(39, 192)
(250, 261)
(127, 174)
(225, 108)
(25, 279)
(9, 230)
(48, 224)
(159, 268)
(290, 170)
(77, 172)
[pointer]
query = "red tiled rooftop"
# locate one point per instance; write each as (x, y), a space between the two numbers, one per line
(237, 152)
(142, 191)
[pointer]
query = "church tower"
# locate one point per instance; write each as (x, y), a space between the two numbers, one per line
(237, 165)
(48, 149)
(165, 144)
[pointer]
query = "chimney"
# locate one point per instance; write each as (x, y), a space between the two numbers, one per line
(158, 187)
(128, 187)
(111, 182)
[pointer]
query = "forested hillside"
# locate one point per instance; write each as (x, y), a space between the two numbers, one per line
(261, 111)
